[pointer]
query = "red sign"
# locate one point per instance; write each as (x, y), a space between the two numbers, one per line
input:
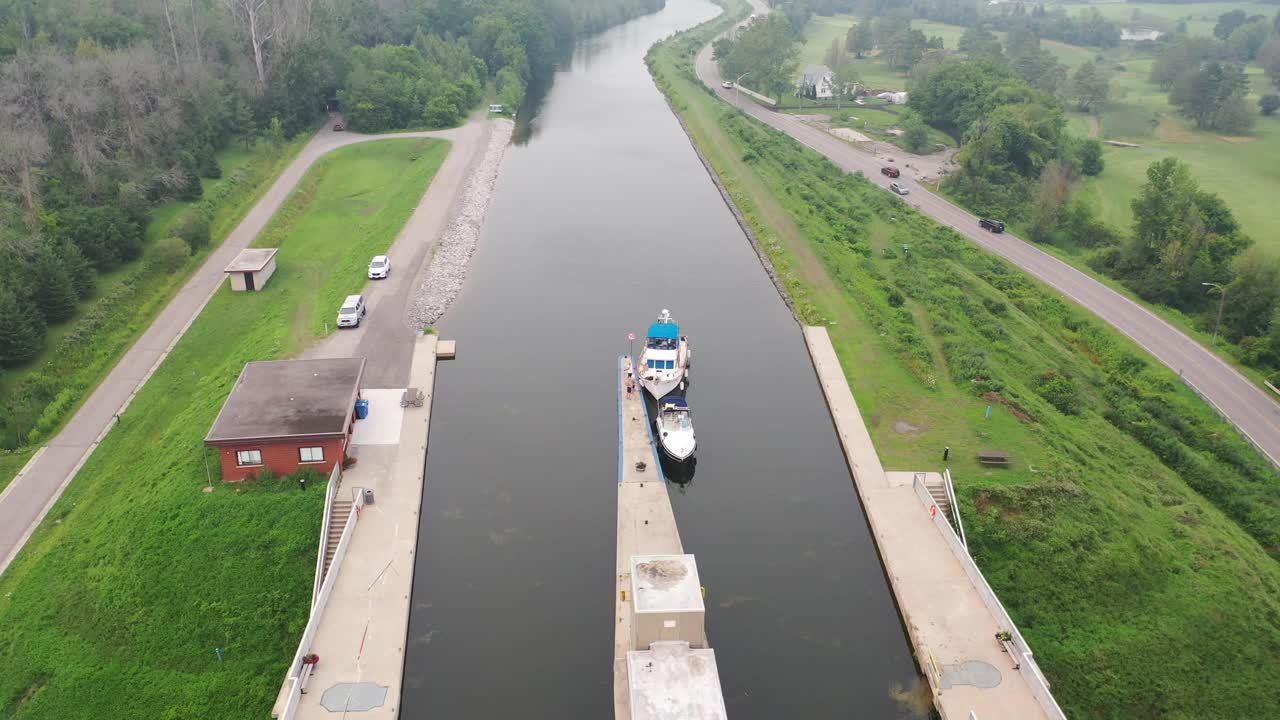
(631, 336)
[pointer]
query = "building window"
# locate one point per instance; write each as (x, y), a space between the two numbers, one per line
(311, 454)
(248, 457)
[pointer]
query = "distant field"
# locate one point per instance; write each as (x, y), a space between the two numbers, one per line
(1201, 17)
(1245, 171)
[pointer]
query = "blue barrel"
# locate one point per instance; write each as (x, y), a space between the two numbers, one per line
(362, 408)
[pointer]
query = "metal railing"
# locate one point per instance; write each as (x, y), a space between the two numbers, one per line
(335, 478)
(955, 507)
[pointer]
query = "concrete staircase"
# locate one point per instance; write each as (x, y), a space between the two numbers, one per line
(337, 522)
(938, 492)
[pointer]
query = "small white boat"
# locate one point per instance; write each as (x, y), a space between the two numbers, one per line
(675, 428)
(664, 361)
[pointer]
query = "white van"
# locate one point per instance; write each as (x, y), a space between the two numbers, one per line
(351, 312)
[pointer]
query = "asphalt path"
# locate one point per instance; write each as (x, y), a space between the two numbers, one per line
(1252, 409)
(31, 495)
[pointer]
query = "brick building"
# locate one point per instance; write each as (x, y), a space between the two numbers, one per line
(286, 415)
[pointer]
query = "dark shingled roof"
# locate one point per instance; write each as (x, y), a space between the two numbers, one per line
(284, 399)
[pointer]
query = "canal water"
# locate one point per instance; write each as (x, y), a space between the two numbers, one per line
(603, 215)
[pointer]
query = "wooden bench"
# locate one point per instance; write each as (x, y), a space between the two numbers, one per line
(995, 457)
(412, 396)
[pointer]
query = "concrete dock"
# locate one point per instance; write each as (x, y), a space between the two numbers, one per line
(662, 667)
(361, 630)
(951, 616)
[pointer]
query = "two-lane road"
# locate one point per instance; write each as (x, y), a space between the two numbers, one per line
(1250, 408)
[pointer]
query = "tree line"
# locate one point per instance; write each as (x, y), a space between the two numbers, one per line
(110, 108)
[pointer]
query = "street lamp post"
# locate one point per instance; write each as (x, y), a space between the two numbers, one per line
(735, 89)
(1222, 299)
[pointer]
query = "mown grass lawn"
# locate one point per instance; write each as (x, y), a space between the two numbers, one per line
(1113, 540)
(115, 606)
(81, 351)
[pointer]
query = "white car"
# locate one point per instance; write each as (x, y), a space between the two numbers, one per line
(379, 267)
(726, 84)
(352, 311)
(899, 188)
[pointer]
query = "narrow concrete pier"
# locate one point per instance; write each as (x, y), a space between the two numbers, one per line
(359, 631)
(662, 667)
(951, 615)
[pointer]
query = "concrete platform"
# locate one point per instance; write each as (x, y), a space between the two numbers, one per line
(951, 628)
(646, 522)
(361, 636)
(382, 426)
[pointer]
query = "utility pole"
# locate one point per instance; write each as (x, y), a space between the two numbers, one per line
(1222, 299)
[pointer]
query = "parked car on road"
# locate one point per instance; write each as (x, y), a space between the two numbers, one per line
(726, 84)
(890, 171)
(339, 127)
(352, 311)
(379, 267)
(899, 188)
(995, 226)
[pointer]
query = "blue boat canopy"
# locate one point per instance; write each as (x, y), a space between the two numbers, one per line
(664, 331)
(674, 402)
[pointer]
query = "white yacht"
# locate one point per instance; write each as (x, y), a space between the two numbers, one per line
(675, 428)
(664, 361)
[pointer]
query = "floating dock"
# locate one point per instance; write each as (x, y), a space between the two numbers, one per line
(662, 667)
(952, 616)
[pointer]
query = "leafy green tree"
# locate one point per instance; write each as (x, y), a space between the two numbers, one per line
(1089, 157)
(1246, 41)
(889, 25)
(79, 271)
(1182, 237)
(860, 39)
(835, 56)
(1253, 296)
(767, 50)
(1269, 104)
(1023, 39)
(21, 331)
(1201, 93)
(104, 235)
(979, 42)
(171, 254)
(952, 97)
(1234, 116)
(1090, 87)
(915, 134)
(1185, 53)
(1269, 59)
(905, 49)
(441, 112)
(1228, 22)
(193, 228)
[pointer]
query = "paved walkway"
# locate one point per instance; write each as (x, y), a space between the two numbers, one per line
(646, 523)
(31, 495)
(946, 619)
(361, 636)
(1253, 410)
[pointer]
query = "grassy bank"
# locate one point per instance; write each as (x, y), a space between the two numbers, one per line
(42, 396)
(1130, 538)
(121, 596)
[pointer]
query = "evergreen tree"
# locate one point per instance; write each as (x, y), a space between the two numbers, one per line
(52, 292)
(21, 331)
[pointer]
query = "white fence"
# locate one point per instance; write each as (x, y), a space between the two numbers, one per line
(294, 679)
(1026, 662)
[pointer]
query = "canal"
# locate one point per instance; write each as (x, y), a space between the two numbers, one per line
(603, 215)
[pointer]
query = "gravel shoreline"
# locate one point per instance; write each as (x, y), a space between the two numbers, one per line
(443, 279)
